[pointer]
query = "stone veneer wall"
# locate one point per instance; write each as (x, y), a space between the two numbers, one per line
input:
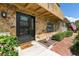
(8, 24)
(40, 25)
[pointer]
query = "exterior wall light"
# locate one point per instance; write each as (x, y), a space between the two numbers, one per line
(4, 14)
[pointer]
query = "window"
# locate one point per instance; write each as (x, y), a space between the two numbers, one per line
(49, 27)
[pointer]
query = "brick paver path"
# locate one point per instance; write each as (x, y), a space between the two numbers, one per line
(63, 46)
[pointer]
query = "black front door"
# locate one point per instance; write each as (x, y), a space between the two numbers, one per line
(25, 25)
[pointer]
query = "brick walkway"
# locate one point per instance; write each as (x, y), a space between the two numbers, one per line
(63, 46)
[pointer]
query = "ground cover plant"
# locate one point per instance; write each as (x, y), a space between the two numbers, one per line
(7, 46)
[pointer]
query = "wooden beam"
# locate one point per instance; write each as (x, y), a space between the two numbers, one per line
(46, 13)
(26, 5)
(37, 8)
(42, 13)
(29, 5)
(40, 10)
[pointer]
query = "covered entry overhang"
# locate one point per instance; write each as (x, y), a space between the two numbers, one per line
(33, 9)
(36, 10)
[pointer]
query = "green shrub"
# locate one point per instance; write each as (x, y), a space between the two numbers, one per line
(58, 37)
(78, 32)
(7, 46)
(76, 38)
(68, 33)
(75, 48)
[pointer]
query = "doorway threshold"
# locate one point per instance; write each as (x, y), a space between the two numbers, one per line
(26, 45)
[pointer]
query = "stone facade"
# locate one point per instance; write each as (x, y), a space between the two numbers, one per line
(8, 24)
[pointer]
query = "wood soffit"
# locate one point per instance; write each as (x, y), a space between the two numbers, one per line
(32, 8)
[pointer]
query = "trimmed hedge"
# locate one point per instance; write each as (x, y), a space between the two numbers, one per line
(60, 36)
(68, 33)
(7, 46)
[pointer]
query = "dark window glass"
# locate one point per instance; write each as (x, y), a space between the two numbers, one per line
(49, 27)
(25, 27)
